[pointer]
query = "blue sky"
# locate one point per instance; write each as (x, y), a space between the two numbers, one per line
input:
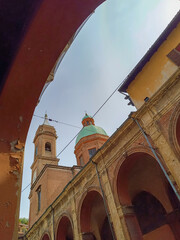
(107, 48)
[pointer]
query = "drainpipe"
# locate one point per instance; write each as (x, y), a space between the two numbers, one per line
(157, 158)
(53, 222)
(105, 205)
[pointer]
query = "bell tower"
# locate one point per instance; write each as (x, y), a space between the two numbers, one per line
(45, 148)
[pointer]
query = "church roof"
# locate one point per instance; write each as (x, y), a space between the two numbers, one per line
(88, 130)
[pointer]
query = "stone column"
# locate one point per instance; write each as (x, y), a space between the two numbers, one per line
(132, 223)
(77, 234)
(167, 153)
(114, 217)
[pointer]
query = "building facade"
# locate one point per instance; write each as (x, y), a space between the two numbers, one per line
(130, 188)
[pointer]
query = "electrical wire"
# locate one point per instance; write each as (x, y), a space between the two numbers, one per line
(52, 120)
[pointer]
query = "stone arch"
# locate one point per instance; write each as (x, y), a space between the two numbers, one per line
(64, 228)
(123, 157)
(82, 197)
(174, 130)
(140, 173)
(93, 219)
(45, 236)
(58, 219)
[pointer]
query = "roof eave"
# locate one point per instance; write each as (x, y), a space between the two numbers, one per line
(150, 53)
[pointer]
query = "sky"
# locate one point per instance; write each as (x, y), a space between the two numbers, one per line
(106, 49)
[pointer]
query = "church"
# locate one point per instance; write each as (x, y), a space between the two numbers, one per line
(48, 178)
(126, 186)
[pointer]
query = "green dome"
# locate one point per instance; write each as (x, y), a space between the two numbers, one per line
(90, 130)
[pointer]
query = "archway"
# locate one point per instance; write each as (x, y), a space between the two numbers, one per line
(174, 130)
(150, 207)
(64, 231)
(93, 218)
(46, 237)
(178, 130)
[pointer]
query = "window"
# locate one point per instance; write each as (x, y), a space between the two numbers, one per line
(81, 160)
(36, 150)
(174, 55)
(48, 147)
(39, 197)
(34, 175)
(92, 151)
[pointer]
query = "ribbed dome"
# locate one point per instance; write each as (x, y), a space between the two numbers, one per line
(90, 130)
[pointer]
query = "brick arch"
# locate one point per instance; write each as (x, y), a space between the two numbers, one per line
(174, 130)
(82, 197)
(93, 219)
(58, 219)
(64, 229)
(141, 161)
(46, 236)
(121, 160)
(140, 172)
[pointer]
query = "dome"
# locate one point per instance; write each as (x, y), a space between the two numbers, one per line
(90, 130)
(86, 116)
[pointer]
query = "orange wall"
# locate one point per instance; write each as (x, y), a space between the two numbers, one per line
(57, 180)
(10, 185)
(156, 72)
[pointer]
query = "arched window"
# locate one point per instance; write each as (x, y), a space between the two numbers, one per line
(48, 147)
(34, 175)
(36, 150)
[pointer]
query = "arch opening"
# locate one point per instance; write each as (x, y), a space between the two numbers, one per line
(93, 219)
(64, 231)
(147, 199)
(149, 212)
(47, 147)
(178, 130)
(46, 237)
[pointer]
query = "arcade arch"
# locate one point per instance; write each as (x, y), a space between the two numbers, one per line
(147, 199)
(93, 219)
(174, 130)
(45, 237)
(178, 130)
(64, 230)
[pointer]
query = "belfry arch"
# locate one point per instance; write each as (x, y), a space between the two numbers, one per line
(94, 223)
(64, 230)
(147, 199)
